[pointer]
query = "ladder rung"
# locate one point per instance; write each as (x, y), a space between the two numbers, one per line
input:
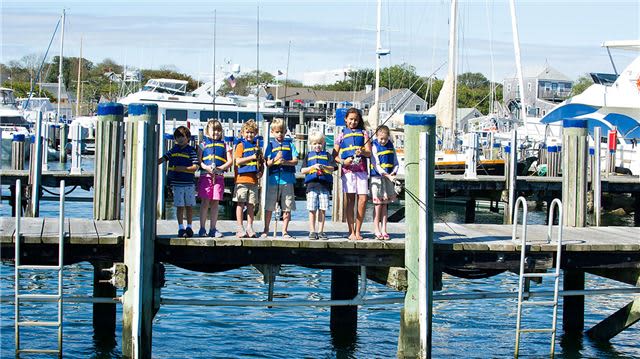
(39, 296)
(541, 330)
(43, 267)
(39, 351)
(533, 275)
(539, 302)
(38, 324)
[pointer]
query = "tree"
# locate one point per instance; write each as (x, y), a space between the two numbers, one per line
(244, 82)
(473, 80)
(22, 89)
(580, 85)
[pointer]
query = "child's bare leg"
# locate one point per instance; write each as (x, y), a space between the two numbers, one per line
(239, 221)
(384, 214)
(362, 206)
(351, 201)
(377, 213)
(312, 221)
(321, 220)
(250, 214)
(286, 217)
(189, 214)
(180, 214)
(204, 208)
(213, 220)
(267, 221)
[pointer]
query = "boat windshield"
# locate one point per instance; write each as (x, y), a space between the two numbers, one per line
(603, 79)
(172, 87)
(13, 121)
(36, 103)
(6, 97)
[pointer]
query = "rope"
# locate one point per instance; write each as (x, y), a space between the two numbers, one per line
(58, 194)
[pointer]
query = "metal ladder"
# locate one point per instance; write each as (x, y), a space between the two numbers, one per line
(524, 276)
(20, 298)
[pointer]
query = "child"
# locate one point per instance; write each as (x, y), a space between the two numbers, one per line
(281, 160)
(183, 163)
(215, 158)
(318, 180)
(384, 166)
(351, 150)
(248, 160)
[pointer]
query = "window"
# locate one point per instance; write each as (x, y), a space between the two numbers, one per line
(529, 86)
(418, 108)
(508, 87)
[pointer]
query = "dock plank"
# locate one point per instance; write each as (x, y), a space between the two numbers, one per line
(31, 229)
(82, 232)
(50, 230)
(7, 227)
(109, 232)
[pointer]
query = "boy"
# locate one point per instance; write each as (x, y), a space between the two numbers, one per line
(319, 181)
(384, 166)
(248, 168)
(183, 163)
(281, 160)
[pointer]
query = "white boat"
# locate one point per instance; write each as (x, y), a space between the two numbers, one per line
(31, 106)
(11, 122)
(613, 101)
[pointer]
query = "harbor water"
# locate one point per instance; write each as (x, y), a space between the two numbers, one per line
(462, 328)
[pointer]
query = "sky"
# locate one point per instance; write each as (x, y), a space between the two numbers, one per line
(314, 35)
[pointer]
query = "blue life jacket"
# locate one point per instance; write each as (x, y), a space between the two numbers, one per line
(214, 152)
(323, 176)
(250, 149)
(385, 157)
(287, 155)
(351, 140)
(180, 157)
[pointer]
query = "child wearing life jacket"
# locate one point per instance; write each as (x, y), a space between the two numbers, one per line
(281, 158)
(384, 167)
(247, 168)
(318, 178)
(183, 163)
(215, 158)
(351, 150)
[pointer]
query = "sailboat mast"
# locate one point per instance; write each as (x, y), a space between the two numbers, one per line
(516, 48)
(60, 77)
(376, 120)
(213, 70)
(79, 80)
(258, 66)
(453, 63)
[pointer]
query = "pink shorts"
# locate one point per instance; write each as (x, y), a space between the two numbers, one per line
(211, 189)
(355, 182)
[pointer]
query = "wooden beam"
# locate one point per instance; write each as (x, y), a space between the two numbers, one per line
(573, 307)
(617, 322)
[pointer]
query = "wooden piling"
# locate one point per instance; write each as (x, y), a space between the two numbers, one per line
(573, 306)
(574, 172)
(17, 151)
(35, 169)
(64, 134)
(409, 342)
(139, 228)
(510, 176)
(470, 210)
(596, 179)
(344, 285)
(107, 181)
(104, 314)
(75, 132)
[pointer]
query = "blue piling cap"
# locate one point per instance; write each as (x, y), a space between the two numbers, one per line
(110, 108)
(574, 123)
(228, 139)
(592, 151)
(507, 149)
(552, 149)
(559, 148)
(496, 145)
(341, 114)
(415, 119)
(137, 109)
(18, 137)
(32, 138)
(168, 136)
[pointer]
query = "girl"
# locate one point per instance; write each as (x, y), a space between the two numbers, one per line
(352, 149)
(384, 166)
(215, 158)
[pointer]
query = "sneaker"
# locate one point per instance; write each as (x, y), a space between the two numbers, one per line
(217, 234)
(189, 232)
(313, 236)
(322, 236)
(182, 233)
(202, 232)
(211, 233)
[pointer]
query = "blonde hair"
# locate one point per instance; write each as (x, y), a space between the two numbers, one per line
(250, 125)
(277, 124)
(211, 126)
(316, 137)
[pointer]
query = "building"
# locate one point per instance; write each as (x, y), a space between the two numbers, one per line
(52, 88)
(327, 77)
(545, 87)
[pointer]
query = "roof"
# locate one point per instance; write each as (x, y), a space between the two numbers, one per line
(545, 72)
(464, 112)
(309, 94)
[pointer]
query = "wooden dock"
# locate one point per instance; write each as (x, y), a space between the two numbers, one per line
(458, 246)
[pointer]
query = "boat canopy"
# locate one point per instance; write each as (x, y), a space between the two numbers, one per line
(170, 86)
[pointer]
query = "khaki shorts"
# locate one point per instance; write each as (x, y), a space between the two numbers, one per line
(382, 190)
(286, 197)
(245, 193)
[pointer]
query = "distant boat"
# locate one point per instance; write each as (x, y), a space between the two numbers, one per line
(11, 121)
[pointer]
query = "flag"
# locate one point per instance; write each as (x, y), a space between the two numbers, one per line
(232, 81)
(280, 73)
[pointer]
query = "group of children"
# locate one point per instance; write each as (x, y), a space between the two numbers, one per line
(353, 150)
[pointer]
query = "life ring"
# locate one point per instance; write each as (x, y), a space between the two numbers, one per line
(638, 83)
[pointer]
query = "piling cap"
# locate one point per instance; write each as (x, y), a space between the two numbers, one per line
(416, 119)
(507, 149)
(551, 149)
(574, 123)
(592, 151)
(341, 114)
(168, 136)
(18, 137)
(110, 108)
(496, 145)
(137, 109)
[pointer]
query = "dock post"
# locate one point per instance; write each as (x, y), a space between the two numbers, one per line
(75, 132)
(471, 155)
(511, 175)
(163, 144)
(596, 179)
(636, 209)
(344, 285)
(574, 172)
(107, 181)
(415, 317)
(35, 169)
(139, 229)
(64, 134)
(612, 141)
(104, 315)
(573, 306)
(17, 151)
(470, 210)
(337, 196)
